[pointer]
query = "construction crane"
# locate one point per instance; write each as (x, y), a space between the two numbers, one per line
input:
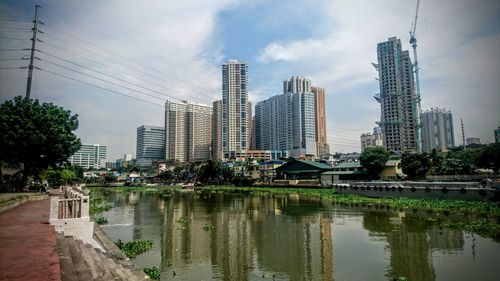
(413, 42)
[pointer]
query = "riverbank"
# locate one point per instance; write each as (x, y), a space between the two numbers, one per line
(457, 207)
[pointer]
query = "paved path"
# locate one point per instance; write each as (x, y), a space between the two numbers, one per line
(28, 243)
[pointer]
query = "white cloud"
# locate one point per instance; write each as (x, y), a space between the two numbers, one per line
(338, 58)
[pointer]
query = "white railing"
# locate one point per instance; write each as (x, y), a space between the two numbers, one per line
(74, 204)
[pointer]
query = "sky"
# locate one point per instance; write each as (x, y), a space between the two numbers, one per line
(156, 50)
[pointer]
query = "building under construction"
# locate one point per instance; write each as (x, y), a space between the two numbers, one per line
(397, 97)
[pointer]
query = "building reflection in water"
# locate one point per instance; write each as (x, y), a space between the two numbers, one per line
(278, 236)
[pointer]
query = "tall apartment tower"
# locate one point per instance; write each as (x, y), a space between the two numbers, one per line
(90, 156)
(397, 97)
(217, 130)
(150, 145)
(236, 113)
(188, 129)
(297, 85)
(320, 118)
(437, 130)
(286, 122)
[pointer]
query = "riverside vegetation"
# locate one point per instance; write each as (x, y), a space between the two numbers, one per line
(475, 216)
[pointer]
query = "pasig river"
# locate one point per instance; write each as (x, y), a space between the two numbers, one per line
(262, 236)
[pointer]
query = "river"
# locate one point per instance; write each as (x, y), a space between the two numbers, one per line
(261, 236)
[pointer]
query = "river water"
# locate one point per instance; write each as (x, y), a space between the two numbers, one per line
(261, 236)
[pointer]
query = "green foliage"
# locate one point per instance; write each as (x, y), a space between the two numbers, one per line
(57, 176)
(109, 177)
(374, 159)
(242, 181)
(489, 157)
(166, 175)
(415, 165)
(211, 170)
(134, 248)
(481, 227)
(152, 272)
(97, 206)
(37, 135)
(208, 227)
(101, 220)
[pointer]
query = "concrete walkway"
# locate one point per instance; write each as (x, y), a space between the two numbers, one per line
(28, 243)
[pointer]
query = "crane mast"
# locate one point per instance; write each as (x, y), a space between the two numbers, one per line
(416, 103)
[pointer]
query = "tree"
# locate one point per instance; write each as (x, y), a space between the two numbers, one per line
(212, 169)
(489, 157)
(36, 135)
(416, 165)
(374, 159)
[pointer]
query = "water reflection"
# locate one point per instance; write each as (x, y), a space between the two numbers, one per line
(283, 237)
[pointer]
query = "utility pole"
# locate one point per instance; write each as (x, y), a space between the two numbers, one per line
(33, 45)
(463, 133)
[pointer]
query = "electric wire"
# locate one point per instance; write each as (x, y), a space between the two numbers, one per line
(126, 43)
(114, 77)
(117, 62)
(100, 79)
(99, 87)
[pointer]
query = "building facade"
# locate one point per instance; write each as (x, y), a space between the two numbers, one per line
(437, 130)
(217, 130)
(320, 118)
(497, 135)
(472, 140)
(375, 139)
(397, 98)
(90, 156)
(150, 145)
(236, 113)
(286, 123)
(297, 85)
(188, 129)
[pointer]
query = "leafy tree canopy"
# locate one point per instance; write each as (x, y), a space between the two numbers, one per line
(415, 165)
(374, 159)
(36, 135)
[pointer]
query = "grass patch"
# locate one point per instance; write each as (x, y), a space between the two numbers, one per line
(134, 248)
(152, 272)
(101, 220)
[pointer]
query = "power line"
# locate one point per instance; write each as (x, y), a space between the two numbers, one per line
(135, 47)
(14, 67)
(96, 86)
(126, 58)
(14, 38)
(8, 50)
(114, 61)
(111, 76)
(100, 79)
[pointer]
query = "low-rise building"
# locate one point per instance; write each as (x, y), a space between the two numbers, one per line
(302, 169)
(267, 170)
(392, 171)
(372, 140)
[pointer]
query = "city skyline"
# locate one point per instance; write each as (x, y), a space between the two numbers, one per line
(458, 58)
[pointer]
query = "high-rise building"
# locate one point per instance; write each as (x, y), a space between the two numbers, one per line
(286, 123)
(372, 140)
(217, 130)
(397, 97)
(235, 111)
(297, 85)
(150, 145)
(437, 130)
(320, 118)
(497, 135)
(472, 140)
(188, 129)
(90, 156)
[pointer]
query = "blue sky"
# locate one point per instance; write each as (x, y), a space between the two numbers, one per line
(176, 48)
